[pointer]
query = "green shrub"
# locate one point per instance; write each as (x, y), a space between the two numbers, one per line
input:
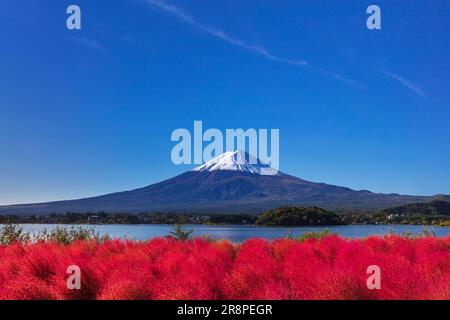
(180, 232)
(10, 233)
(426, 232)
(315, 235)
(69, 235)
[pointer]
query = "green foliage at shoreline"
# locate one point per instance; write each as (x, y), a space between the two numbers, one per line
(435, 213)
(382, 218)
(317, 235)
(11, 233)
(124, 218)
(180, 233)
(299, 216)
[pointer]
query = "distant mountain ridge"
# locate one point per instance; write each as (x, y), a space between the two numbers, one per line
(224, 185)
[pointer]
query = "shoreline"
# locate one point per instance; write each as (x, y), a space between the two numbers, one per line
(222, 224)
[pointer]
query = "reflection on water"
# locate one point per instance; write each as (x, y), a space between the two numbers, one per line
(241, 233)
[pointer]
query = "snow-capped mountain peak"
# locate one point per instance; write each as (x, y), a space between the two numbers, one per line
(237, 161)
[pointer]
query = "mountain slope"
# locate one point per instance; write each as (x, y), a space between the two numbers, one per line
(228, 183)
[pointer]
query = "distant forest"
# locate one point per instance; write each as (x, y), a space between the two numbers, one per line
(299, 216)
(436, 212)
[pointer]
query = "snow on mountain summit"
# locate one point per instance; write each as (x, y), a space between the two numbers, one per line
(237, 161)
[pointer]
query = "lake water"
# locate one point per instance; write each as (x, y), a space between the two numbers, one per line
(241, 233)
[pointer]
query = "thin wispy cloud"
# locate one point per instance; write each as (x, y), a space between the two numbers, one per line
(187, 18)
(90, 44)
(182, 15)
(405, 82)
(351, 82)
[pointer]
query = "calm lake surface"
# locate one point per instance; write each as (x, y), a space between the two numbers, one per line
(242, 233)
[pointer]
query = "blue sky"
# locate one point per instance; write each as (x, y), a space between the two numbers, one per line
(91, 111)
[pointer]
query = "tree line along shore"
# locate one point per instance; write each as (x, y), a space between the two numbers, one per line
(435, 213)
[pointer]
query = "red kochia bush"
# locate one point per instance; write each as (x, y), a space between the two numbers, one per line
(331, 268)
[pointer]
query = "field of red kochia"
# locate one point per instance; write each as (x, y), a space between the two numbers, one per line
(331, 268)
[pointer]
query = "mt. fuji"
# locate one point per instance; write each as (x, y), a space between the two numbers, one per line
(237, 161)
(232, 182)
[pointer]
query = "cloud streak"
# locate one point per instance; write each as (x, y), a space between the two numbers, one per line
(90, 44)
(188, 19)
(405, 82)
(185, 17)
(351, 82)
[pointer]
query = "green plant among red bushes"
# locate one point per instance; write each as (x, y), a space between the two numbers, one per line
(164, 268)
